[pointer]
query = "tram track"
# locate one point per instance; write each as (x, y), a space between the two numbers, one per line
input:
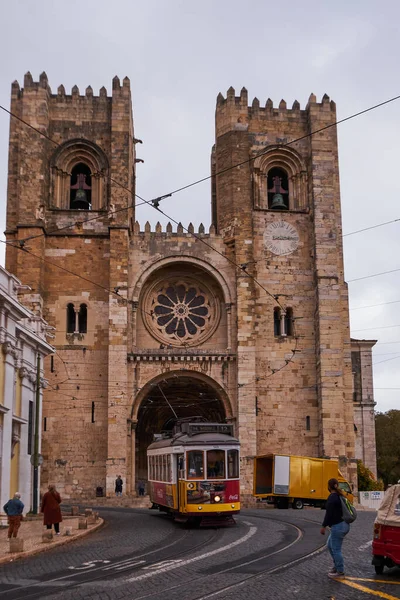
(122, 567)
(101, 571)
(252, 577)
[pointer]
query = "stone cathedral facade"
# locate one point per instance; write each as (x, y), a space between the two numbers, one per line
(246, 322)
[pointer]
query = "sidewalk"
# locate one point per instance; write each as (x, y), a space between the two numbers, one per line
(31, 532)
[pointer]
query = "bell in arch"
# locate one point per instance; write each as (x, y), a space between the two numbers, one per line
(278, 202)
(80, 201)
(277, 191)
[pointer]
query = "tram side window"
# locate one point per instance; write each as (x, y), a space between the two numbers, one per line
(215, 464)
(233, 464)
(195, 464)
(157, 458)
(164, 468)
(169, 475)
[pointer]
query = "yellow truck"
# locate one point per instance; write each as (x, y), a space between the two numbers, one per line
(296, 480)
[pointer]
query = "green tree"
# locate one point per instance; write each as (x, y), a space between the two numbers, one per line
(366, 479)
(387, 428)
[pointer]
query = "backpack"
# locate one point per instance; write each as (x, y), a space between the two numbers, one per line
(348, 510)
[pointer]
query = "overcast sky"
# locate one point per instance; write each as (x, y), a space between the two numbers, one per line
(180, 54)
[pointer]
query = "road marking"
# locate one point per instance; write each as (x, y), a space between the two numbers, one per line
(128, 565)
(183, 563)
(362, 588)
(163, 564)
(365, 546)
(88, 565)
(374, 580)
(123, 563)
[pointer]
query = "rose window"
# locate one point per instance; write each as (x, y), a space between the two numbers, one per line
(181, 312)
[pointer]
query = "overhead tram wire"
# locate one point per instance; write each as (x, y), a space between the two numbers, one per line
(156, 201)
(374, 275)
(152, 203)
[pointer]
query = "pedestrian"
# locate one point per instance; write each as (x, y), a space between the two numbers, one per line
(51, 510)
(13, 509)
(118, 486)
(339, 529)
(141, 487)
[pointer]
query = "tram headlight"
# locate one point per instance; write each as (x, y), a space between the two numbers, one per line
(232, 506)
(217, 498)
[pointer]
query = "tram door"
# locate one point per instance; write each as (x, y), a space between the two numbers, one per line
(181, 482)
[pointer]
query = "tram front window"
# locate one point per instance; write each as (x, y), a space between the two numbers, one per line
(195, 464)
(233, 464)
(215, 464)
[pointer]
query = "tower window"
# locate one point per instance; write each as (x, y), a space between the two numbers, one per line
(278, 189)
(277, 321)
(82, 319)
(308, 423)
(71, 318)
(289, 321)
(76, 319)
(81, 188)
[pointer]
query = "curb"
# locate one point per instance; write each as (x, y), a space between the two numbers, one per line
(11, 557)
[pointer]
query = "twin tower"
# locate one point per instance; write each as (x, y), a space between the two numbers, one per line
(247, 322)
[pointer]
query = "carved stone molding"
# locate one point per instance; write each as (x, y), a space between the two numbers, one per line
(9, 348)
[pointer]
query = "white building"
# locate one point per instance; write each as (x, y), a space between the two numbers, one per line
(22, 341)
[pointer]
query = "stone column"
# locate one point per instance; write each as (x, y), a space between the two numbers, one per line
(10, 353)
(25, 467)
(133, 458)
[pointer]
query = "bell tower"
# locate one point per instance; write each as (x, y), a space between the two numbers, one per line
(276, 204)
(69, 214)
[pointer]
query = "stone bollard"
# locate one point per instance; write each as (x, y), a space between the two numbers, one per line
(82, 523)
(88, 512)
(96, 515)
(91, 519)
(47, 536)
(16, 545)
(75, 511)
(68, 530)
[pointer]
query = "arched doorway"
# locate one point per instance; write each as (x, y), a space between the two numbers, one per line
(171, 396)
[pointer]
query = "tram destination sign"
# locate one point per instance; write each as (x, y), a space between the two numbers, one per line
(225, 428)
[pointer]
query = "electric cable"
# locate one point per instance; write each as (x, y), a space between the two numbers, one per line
(155, 202)
(371, 276)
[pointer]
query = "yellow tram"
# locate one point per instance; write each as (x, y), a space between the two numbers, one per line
(193, 472)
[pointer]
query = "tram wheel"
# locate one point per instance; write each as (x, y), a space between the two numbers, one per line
(298, 504)
(379, 569)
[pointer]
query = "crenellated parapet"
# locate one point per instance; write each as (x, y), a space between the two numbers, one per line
(234, 112)
(118, 89)
(168, 231)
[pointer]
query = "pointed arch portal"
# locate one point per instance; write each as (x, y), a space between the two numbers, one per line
(170, 396)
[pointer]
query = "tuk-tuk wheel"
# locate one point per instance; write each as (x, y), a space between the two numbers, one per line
(379, 569)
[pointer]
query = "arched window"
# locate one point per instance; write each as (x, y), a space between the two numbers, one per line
(277, 321)
(278, 189)
(82, 319)
(289, 321)
(308, 423)
(79, 177)
(70, 318)
(80, 191)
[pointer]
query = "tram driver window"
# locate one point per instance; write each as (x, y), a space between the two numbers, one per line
(215, 464)
(195, 464)
(233, 464)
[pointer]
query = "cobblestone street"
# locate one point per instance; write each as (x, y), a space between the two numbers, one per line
(139, 554)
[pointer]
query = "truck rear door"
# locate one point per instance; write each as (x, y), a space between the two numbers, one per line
(281, 474)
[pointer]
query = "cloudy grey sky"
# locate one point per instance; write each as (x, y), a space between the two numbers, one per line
(179, 54)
